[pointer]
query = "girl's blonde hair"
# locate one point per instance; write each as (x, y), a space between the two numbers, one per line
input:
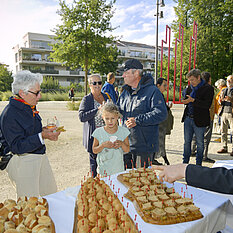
(110, 107)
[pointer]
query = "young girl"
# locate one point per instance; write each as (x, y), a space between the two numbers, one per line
(110, 141)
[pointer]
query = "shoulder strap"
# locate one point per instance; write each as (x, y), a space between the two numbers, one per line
(108, 95)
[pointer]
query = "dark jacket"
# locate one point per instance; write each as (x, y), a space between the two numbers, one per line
(218, 179)
(201, 105)
(146, 104)
(86, 115)
(20, 129)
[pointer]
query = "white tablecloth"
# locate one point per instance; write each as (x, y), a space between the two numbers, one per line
(229, 165)
(212, 206)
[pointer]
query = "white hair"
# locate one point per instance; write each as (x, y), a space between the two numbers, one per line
(220, 82)
(93, 75)
(140, 71)
(24, 80)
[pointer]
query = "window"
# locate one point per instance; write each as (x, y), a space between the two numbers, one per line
(47, 68)
(40, 44)
(36, 57)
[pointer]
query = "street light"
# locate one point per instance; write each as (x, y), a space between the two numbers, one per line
(161, 3)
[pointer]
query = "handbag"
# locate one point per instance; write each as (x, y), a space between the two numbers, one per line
(4, 158)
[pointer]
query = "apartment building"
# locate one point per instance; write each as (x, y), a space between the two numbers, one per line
(34, 53)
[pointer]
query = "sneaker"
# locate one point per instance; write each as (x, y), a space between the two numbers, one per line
(155, 162)
(208, 160)
(222, 151)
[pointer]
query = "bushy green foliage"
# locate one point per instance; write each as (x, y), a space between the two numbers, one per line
(214, 37)
(54, 97)
(50, 83)
(5, 78)
(4, 96)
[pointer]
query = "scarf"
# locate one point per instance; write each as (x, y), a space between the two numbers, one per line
(193, 95)
(33, 107)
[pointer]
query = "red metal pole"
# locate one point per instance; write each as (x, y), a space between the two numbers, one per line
(169, 49)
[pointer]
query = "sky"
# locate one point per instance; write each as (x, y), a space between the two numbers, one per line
(134, 19)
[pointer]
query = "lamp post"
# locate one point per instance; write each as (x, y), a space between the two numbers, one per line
(161, 3)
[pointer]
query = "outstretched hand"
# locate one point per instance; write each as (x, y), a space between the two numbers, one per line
(171, 173)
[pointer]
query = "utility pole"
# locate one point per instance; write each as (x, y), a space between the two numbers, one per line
(161, 3)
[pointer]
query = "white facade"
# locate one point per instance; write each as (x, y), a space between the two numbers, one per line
(34, 56)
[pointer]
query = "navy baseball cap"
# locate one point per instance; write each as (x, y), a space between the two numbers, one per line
(132, 64)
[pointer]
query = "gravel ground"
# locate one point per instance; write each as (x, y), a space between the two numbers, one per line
(69, 160)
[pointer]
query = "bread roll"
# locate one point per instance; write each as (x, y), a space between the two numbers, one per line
(44, 220)
(9, 225)
(4, 212)
(11, 231)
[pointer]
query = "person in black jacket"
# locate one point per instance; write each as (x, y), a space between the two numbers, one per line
(198, 98)
(218, 179)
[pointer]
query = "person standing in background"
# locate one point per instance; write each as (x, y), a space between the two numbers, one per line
(88, 109)
(71, 93)
(226, 100)
(162, 86)
(208, 132)
(143, 109)
(109, 88)
(221, 85)
(198, 99)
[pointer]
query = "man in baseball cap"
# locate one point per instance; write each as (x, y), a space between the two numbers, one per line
(132, 64)
(143, 108)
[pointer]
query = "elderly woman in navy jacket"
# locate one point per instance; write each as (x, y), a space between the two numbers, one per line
(88, 109)
(22, 132)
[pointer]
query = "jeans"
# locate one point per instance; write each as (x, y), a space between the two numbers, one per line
(189, 129)
(207, 137)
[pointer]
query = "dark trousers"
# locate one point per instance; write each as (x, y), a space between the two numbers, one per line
(93, 164)
(131, 158)
(128, 160)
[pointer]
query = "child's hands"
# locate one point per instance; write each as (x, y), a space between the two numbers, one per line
(117, 144)
(108, 144)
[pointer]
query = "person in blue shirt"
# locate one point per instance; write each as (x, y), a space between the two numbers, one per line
(109, 88)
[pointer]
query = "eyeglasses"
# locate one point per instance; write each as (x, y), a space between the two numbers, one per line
(95, 83)
(35, 93)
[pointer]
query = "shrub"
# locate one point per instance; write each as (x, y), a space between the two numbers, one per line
(4, 96)
(72, 105)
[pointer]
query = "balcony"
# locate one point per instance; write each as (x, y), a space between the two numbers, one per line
(45, 71)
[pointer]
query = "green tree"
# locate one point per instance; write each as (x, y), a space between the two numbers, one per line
(81, 38)
(5, 78)
(214, 37)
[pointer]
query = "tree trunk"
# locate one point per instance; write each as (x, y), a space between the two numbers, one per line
(86, 73)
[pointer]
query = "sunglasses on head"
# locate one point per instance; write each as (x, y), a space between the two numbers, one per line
(35, 93)
(95, 83)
